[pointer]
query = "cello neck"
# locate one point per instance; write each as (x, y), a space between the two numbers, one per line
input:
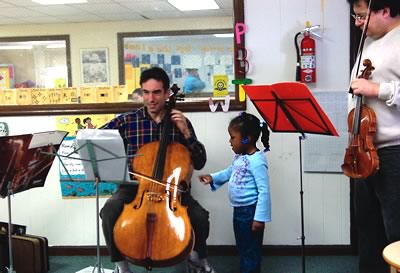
(158, 170)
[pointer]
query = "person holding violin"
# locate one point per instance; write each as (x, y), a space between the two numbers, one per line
(143, 126)
(377, 197)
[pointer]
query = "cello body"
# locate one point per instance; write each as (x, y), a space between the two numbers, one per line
(361, 158)
(154, 230)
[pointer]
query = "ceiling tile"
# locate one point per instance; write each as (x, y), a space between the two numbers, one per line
(149, 6)
(42, 20)
(127, 16)
(163, 14)
(10, 21)
(20, 12)
(58, 10)
(22, 3)
(5, 5)
(80, 19)
(98, 10)
(102, 8)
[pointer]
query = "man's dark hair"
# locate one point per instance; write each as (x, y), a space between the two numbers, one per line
(377, 5)
(155, 73)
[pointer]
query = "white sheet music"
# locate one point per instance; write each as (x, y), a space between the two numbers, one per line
(109, 152)
(325, 153)
(46, 138)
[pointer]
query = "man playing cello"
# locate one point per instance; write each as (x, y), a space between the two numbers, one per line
(143, 126)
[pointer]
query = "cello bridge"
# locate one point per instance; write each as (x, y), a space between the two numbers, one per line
(155, 197)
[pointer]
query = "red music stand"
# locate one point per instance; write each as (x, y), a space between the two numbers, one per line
(290, 107)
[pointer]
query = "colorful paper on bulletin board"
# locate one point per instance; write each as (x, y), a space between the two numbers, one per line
(104, 94)
(39, 96)
(137, 71)
(88, 94)
(24, 96)
(120, 93)
(78, 189)
(130, 86)
(4, 78)
(60, 83)
(242, 93)
(128, 71)
(54, 95)
(220, 84)
(9, 96)
(69, 95)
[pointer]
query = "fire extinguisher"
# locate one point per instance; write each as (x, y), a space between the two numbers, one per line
(306, 60)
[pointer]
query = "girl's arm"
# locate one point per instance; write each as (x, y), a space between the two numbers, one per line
(263, 209)
(220, 178)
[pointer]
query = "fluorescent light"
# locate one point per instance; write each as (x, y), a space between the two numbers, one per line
(15, 47)
(56, 46)
(224, 35)
(193, 4)
(59, 2)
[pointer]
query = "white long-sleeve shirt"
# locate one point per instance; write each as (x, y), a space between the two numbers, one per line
(384, 54)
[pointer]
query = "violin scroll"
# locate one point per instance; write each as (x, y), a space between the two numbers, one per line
(366, 73)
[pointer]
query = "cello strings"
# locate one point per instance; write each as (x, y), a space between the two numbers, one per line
(163, 183)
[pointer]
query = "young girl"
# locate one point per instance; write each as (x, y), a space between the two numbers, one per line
(248, 188)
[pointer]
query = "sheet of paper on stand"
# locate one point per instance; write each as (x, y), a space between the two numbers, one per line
(108, 152)
(46, 138)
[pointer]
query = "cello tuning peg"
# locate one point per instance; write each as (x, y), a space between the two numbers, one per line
(180, 97)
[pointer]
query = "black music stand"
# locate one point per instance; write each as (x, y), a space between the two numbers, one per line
(27, 160)
(291, 108)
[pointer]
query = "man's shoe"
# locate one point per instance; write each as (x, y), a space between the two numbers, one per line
(117, 270)
(201, 266)
(206, 267)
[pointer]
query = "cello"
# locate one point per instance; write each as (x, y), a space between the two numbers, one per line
(361, 158)
(154, 230)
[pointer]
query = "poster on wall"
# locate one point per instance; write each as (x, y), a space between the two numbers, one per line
(6, 76)
(72, 174)
(94, 66)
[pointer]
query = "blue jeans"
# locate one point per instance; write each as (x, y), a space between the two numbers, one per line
(248, 243)
(377, 209)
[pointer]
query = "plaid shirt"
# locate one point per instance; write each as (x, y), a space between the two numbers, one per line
(138, 128)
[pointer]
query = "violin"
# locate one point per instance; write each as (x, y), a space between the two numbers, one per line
(154, 230)
(361, 158)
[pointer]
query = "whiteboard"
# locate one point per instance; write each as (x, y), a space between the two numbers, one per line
(325, 153)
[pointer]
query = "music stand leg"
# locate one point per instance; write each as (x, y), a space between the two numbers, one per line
(98, 265)
(10, 269)
(303, 238)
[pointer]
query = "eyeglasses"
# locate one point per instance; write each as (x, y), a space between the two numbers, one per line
(242, 65)
(359, 17)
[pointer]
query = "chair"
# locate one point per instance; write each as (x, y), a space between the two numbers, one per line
(391, 254)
